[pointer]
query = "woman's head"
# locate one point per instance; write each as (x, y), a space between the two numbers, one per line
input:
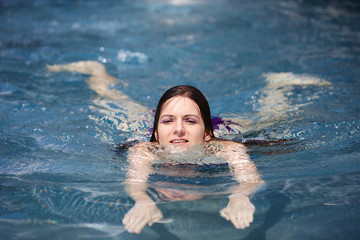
(182, 117)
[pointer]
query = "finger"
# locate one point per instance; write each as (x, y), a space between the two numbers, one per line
(129, 226)
(126, 219)
(236, 223)
(131, 223)
(250, 218)
(240, 224)
(157, 217)
(129, 218)
(136, 226)
(247, 218)
(224, 215)
(244, 223)
(153, 221)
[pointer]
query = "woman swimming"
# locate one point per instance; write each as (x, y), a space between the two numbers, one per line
(183, 123)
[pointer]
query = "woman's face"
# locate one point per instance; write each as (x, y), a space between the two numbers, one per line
(180, 124)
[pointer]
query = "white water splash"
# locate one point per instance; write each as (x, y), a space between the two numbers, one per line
(126, 56)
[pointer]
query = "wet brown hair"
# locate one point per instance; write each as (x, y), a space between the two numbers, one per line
(190, 92)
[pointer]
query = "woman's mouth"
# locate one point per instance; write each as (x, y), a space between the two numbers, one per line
(179, 141)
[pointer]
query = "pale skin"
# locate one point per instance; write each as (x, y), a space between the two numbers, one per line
(180, 128)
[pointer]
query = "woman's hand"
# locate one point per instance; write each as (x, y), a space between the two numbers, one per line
(142, 213)
(240, 211)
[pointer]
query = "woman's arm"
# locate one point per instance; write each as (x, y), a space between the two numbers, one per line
(240, 210)
(145, 210)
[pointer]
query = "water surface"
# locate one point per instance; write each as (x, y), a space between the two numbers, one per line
(60, 173)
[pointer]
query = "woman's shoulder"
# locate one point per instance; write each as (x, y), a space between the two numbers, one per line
(227, 149)
(142, 152)
(145, 147)
(139, 145)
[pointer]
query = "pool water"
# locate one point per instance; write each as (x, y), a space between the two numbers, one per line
(287, 71)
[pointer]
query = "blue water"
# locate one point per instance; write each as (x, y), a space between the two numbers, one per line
(60, 173)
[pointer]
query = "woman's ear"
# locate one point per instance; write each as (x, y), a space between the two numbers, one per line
(207, 136)
(156, 136)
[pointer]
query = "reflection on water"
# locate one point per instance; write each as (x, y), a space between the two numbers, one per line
(78, 209)
(59, 211)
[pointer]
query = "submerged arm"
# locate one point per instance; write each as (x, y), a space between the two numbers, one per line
(240, 210)
(145, 210)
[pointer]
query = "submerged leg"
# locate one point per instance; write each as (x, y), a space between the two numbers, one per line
(273, 102)
(99, 81)
(87, 67)
(127, 115)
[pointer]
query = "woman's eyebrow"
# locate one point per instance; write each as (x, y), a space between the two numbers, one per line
(192, 115)
(166, 116)
(186, 116)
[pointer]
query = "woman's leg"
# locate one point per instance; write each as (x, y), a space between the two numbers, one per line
(273, 102)
(114, 106)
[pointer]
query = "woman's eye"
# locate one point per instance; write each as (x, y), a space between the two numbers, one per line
(166, 121)
(192, 121)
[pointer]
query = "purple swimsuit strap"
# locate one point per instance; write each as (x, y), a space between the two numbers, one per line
(217, 121)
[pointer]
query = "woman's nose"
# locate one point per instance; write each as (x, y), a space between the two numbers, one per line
(179, 129)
